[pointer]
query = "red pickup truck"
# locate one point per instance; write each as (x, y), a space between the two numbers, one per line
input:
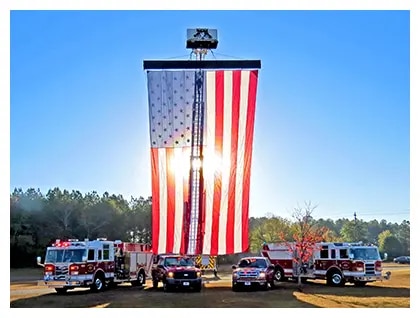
(253, 272)
(176, 272)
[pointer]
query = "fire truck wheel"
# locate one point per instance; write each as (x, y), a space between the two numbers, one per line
(335, 278)
(279, 274)
(98, 283)
(141, 278)
(61, 291)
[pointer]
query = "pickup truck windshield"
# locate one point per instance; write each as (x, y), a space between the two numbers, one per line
(178, 261)
(258, 263)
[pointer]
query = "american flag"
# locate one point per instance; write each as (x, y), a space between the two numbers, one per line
(229, 112)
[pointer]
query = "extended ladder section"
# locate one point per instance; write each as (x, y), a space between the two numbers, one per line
(196, 178)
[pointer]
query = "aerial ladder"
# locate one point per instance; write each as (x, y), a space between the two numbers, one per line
(200, 41)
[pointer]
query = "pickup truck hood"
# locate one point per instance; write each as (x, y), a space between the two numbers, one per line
(245, 270)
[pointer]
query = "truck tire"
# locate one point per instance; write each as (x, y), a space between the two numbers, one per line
(141, 279)
(279, 274)
(61, 291)
(167, 287)
(335, 279)
(235, 288)
(272, 284)
(98, 283)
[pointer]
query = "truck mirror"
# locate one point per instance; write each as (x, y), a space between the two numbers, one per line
(233, 266)
(160, 266)
(38, 261)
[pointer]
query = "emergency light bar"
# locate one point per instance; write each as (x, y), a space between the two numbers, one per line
(69, 242)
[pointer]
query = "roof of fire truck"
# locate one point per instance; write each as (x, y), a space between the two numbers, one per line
(75, 243)
(99, 242)
(271, 246)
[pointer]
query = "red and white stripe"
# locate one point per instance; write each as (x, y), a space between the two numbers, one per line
(227, 155)
(230, 113)
(169, 192)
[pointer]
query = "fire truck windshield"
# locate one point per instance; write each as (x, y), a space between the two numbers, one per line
(365, 253)
(64, 255)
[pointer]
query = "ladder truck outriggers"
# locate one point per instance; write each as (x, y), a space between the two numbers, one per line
(96, 264)
(336, 263)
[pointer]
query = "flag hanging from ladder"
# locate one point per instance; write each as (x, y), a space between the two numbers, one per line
(229, 98)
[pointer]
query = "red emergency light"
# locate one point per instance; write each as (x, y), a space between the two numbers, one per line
(58, 243)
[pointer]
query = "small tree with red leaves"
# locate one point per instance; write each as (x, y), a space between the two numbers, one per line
(305, 235)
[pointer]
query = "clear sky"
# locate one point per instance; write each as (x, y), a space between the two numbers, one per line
(333, 104)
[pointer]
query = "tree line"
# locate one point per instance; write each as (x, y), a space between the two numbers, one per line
(37, 219)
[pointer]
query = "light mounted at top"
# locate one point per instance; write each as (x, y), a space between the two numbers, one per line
(201, 38)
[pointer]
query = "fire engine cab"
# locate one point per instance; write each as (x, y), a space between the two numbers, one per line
(337, 263)
(96, 264)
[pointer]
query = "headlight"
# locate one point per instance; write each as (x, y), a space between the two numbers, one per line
(235, 275)
(359, 269)
(170, 274)
(262, 275)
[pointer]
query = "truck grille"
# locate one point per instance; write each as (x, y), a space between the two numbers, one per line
(370, 269)
(61, 271)
(252, 274)
(185, 275)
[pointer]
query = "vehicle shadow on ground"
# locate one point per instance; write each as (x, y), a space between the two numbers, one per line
(148, 297)
(348, 290)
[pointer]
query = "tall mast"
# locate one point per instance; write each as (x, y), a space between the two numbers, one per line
(200, 41)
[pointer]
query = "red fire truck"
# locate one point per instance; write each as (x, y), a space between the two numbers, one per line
(337, 263)
(72, 263)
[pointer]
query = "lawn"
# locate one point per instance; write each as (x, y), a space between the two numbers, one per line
(394, 293)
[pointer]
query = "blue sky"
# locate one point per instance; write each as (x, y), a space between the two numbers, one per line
(333, 103)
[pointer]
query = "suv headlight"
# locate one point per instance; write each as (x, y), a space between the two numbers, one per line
(262, 275)
(170, 274)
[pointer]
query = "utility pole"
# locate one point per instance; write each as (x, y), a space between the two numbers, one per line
(354, 229)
